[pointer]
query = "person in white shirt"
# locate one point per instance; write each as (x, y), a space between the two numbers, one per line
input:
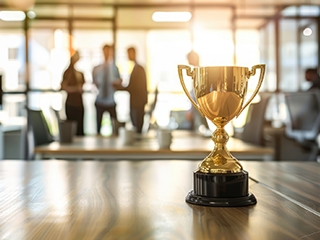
(103, 77)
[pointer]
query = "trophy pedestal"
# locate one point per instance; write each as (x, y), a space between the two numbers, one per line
(221, 190)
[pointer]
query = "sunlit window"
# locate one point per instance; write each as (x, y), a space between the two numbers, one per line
(49, 56)
(159, 50)
(215, 47)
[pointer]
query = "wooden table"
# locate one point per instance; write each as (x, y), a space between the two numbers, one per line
(185, 145)
(297, 181)
(275, 135)
(58, 199)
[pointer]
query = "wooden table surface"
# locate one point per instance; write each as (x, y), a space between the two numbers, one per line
(185, 145)
(58, 199)
(299, 182)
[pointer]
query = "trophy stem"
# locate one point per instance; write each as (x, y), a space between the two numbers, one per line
(220, 180)
(220, 159)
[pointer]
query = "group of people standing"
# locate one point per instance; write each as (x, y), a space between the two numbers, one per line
(107, 79)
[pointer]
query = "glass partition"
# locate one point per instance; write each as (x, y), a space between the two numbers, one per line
(308, 49)
(271, 75)
(12, 60)
(12, 71)
(289, 80)
(48, 57)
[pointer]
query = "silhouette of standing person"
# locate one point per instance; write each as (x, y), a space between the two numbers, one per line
(103, 77)
(137, 88)
(193, 116)
(311, 75)
(72, 83)
(193, 59)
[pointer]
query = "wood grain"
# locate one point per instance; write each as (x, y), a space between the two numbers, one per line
(297, 180)
(133, 200)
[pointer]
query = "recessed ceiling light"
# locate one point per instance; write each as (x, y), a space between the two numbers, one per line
(31, 14)
(171, 16)
(307, 32)
(12, 15)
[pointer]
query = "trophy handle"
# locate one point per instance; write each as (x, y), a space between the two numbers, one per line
(189, 73)
(252, 73)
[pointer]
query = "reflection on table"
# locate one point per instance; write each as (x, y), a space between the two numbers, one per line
(58, 199)
(185, 145)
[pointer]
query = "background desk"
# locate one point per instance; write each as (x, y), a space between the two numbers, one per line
(140, 200)
(185, 145)
(12, 138)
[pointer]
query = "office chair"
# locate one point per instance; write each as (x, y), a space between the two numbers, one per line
(67, 129)
(180, 120)
(303, 124)
(56, 119)
(148, 121)
(304, 115)
(253, 129)
(37, 131)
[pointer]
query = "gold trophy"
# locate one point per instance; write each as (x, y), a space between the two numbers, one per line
(220, 96)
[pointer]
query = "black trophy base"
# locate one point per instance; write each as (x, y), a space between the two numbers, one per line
(221, 190)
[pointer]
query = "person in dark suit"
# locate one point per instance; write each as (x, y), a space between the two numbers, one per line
(137, 88)
(312, 76)
(72, 83)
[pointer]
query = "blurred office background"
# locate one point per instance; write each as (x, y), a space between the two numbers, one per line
(35, 48)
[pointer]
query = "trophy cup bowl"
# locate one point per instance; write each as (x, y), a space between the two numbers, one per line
(220, 92)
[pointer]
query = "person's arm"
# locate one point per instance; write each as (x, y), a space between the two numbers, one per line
(65, 81)
(94, 76)
(67, 87)
(117, 84)
(70, 89)
(81, 83)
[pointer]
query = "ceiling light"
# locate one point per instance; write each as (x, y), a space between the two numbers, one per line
(307, 32)
(171, 16)
(31, 14)
(12, 15)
